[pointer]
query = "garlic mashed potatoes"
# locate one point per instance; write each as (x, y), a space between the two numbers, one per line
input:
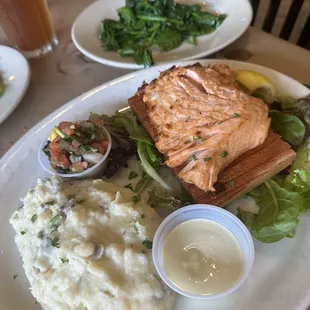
(87, 245)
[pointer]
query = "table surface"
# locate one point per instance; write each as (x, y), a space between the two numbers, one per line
(66, 73)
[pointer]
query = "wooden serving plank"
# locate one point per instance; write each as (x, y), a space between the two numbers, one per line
(243, 174)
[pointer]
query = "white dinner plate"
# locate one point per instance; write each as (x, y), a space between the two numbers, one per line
(15, 71)
(87, 26)
(280, 277)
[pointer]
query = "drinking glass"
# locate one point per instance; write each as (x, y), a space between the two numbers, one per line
(28, 25)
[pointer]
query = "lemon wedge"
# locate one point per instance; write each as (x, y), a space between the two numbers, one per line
(52, 135)
(55, 133)
(257, 84)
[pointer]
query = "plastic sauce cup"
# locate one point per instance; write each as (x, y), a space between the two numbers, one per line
(219, 215)
(92, 172)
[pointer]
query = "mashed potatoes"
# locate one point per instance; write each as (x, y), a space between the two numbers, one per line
(86, 245)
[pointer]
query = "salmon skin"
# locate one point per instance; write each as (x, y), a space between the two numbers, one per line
(203, 120)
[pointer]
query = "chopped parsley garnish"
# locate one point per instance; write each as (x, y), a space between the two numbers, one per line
(132, 175)
(55, 242)
(236, 115)
(129, 186)
(194, 157)
(50, 203)
(148, 243)
(142, 216)
(15, 276)
(34, 218)
(68, 139)
(83, 148)
(206, 159)
(220, 122)
(64, 260)
(199, 138)
(55, 219)
(143, 252)
(188, 141)
(40, 234)
(224, 154)
(232, 183)
(46, 150)
(136, 198)
(22, 232)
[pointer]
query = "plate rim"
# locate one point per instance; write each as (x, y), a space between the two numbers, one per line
(132, 65)
(21, 94)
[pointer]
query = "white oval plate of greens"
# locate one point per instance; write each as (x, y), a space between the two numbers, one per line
(14, 80)
(87, 27)
(280, 276)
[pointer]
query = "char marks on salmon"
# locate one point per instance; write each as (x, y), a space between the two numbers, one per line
(203, 120)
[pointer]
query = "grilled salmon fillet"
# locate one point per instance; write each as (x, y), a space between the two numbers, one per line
(203, 120)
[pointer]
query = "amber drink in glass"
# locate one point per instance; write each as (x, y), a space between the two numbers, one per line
(28, 25)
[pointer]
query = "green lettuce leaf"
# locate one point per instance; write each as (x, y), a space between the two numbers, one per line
(299, 107)
(150, 158)
(278, 214)
(289, 127)
(298, 180)
(169, 202)
(146, 154)
(248, 218)
(128, 121)
(302, 160)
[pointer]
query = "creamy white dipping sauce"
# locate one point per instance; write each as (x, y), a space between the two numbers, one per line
(202, 257)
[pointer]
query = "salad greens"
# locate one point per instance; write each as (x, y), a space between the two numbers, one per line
(124, 127)
(123, 147)
(278, 214)
(149, 161)
(169, 202)
(164, 23)
(283, 198)
(289, 127)
(299, 107)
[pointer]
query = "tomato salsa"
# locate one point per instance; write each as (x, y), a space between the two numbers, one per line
(75, 147)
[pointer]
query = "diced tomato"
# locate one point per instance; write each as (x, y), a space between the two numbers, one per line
(98, 122)
(63, 125)
(101, 146)
(55, 144)
(65, 128)
(80, 166)
(68, 131)
(77, 125)
(58, 158)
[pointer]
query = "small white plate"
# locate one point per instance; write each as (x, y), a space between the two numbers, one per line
(15, 72)
(87, 26)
